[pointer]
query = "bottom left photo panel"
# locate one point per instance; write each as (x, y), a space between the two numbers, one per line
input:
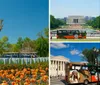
(24, 67)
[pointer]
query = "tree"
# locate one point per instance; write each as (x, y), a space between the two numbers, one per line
(19, 43)
(4, 45)
(89, 55)
(95, 23)
(28, 45)
(42, 44)
(55, 23)
(14, 48)
(46, 32)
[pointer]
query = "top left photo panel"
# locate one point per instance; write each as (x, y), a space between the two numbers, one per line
(24, 42)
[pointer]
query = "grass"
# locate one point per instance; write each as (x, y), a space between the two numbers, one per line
(79, 40)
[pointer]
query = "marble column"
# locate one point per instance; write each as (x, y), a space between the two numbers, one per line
(53, 65)
(63, 66)
(59, 65)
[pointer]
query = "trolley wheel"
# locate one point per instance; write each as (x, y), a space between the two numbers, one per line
(76, 36)
(86, 82)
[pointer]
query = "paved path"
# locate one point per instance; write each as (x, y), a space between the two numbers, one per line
(61, 81)
(57, 81)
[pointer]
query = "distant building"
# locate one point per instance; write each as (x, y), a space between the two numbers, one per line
(1, 24)
(63, 19)
(75, 21)
(57, 66)
(89, 18)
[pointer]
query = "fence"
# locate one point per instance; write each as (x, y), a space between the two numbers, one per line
(93, 35)
(22, 60)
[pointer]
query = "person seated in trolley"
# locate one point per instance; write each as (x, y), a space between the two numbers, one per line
(74, 77)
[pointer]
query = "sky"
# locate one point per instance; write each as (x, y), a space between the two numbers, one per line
(23, 18)
(64, 8)
(72, 51)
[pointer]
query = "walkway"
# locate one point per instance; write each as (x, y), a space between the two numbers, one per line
(61, 81)
(57, 81)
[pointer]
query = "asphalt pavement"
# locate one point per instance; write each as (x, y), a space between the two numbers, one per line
(61, 81)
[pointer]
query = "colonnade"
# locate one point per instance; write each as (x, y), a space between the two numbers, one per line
(57, 68)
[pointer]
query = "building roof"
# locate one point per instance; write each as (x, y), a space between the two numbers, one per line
(60, 58)
(75, 16)
(79, 63)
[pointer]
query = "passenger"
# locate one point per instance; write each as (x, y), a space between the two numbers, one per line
(74, 77)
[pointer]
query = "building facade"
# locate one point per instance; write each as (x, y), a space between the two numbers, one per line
(75, 21)
(57, 66)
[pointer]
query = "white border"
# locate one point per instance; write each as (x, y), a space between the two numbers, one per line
(49, 38)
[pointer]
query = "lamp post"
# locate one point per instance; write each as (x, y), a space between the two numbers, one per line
(96, 52)
(1, 24)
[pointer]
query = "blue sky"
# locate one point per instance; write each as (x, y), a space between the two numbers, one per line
(63, 8)
(73, 51)
(23, 18)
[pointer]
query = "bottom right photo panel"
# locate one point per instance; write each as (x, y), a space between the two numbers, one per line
(74, 63)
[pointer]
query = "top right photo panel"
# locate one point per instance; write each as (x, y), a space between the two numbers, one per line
(75, 20)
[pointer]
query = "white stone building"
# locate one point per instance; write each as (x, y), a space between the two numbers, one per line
(75, 22)
(57, 66)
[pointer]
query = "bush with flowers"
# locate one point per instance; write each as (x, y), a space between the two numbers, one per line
(26, 74)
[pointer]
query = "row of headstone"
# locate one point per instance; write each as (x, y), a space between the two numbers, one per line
(22, 60)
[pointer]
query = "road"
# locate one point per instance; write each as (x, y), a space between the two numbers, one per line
(61, 81)
(56, 81)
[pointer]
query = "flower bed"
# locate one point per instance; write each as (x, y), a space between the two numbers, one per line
(32, 74)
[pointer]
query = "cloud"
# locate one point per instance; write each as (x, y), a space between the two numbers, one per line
(81, 55)
(74, 52)
(51, 55)
(59, 45)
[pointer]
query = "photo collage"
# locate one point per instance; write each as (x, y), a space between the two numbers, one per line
(61, 46)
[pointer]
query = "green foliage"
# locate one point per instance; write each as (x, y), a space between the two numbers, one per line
(95, 23)
(24, 62)
(89, 55)
(46, 32)
(41, 45)
(1, 61)
(55, 23)
(83, 33)
(32, 61)
(21, 66)
(19, 43)
(4, 45)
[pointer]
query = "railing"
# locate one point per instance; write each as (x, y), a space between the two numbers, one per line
(93, 35)
(23, 60)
